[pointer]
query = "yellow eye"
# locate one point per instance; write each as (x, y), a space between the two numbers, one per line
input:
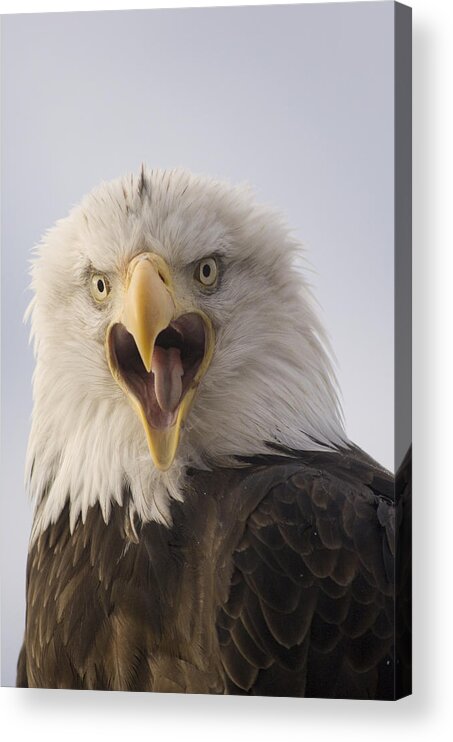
(100, 287)
(206, 271)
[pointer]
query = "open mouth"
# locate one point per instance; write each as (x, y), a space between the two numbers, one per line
(178, 354)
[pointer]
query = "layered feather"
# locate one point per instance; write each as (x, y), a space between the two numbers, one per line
(273, 580)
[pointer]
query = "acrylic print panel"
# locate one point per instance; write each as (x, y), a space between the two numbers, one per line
(218, 408)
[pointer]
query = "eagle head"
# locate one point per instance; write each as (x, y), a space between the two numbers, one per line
(173, 327)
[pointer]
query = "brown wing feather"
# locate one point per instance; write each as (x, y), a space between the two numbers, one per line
(312, 610)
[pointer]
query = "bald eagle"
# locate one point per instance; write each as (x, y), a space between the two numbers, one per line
(202, 523)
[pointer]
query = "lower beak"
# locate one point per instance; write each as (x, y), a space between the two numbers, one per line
(157, 355)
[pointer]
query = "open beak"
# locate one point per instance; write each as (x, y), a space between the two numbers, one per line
(157, 355)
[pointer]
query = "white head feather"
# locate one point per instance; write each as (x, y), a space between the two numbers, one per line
(270, 380)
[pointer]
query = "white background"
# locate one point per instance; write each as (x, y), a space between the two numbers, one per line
(46, 714)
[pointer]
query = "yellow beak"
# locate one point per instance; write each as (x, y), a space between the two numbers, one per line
(149, 309)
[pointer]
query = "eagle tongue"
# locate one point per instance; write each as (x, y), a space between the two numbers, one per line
(168, 372)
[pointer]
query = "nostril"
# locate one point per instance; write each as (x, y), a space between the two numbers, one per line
(162, 277)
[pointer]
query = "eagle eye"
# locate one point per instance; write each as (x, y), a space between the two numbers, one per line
(100, 287)
(206, 271)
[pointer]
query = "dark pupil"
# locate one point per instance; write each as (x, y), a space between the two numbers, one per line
(100, 286)
(206, 270)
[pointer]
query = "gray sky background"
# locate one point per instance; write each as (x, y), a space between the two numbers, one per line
(296, 100)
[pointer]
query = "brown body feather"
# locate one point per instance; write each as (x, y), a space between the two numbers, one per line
(275, 579)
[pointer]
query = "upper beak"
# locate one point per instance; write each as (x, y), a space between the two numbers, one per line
(162, 383)
(149, 306)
